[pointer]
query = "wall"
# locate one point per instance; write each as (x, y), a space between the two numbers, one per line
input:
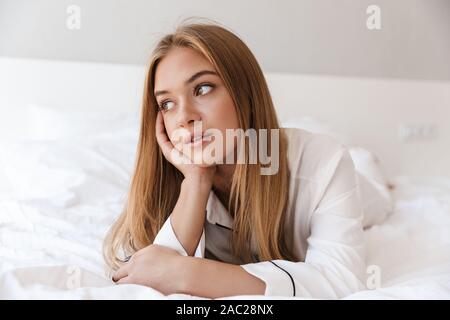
(307, 36)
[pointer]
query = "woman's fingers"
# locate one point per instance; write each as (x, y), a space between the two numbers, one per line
(161, 136)
(169, 151)
(124, 280)
(121, 273)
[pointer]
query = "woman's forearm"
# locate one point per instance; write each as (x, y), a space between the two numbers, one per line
(214, 279)
(188, 216)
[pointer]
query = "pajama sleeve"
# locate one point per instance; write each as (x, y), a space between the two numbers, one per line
(166, 237)
(334, 265)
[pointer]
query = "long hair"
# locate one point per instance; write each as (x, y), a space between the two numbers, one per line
(257, 201)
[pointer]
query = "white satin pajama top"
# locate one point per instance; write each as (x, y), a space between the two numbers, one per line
(323, 225)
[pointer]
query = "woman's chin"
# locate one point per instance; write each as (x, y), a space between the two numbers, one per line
(204, 161)
(206, 165)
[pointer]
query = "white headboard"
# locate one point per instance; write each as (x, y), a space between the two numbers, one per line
(369, 112)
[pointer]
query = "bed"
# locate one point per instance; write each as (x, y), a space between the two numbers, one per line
(65, 169)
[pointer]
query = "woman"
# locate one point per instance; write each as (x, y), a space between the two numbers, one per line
(207, 227)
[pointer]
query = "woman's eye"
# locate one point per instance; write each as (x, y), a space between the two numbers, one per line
(203, 89)
(166, 105)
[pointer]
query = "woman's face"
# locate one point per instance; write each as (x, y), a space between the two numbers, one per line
(190, 93)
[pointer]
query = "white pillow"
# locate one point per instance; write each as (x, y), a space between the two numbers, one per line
(373, 189)
(57, 123)
(64, 173)
(372, 184)
(316, 126)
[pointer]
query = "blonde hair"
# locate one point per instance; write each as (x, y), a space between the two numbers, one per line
(257, 201)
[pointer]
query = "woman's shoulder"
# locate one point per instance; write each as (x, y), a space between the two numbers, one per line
(310, 153)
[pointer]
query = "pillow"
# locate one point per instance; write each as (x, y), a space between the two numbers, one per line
(69, 155)
(63, 174)
(51, 123)
(5, 185)
(373, 187)
(313, 125)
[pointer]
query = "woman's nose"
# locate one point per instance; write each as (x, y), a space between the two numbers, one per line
(188, 115)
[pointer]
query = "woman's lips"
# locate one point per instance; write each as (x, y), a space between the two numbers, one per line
(199, 140)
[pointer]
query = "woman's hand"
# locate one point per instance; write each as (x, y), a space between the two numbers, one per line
(174, 156)
(154, 266)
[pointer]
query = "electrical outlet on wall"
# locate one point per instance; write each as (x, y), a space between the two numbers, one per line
(417, 131)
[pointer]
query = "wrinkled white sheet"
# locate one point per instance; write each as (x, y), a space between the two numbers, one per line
(58, 198)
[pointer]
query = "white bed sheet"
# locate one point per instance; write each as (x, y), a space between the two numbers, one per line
(58, 199)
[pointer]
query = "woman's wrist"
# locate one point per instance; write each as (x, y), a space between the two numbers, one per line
(186, 267)
(202, 181)
(197, 274)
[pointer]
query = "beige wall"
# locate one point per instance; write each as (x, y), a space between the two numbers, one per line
(371, 113)
(300, 36)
